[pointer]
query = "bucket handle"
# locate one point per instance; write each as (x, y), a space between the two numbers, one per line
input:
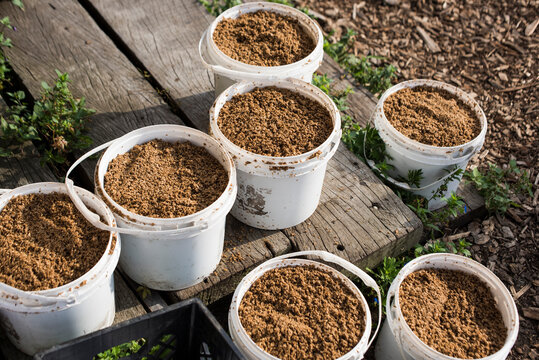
(329, 257)
(229, 72)
(95, 219)
(334, 145)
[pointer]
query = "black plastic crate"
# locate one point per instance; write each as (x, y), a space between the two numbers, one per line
(186, 330)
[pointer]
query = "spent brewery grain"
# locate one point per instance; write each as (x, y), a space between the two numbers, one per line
(273, 121)
(46, 243)
(453, 312)
(263, 38)
(302, 312)
(432, 116)
(165, 180)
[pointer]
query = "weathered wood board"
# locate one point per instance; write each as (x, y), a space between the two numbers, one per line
(368, 218)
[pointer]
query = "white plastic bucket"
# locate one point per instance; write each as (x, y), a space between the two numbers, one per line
(252, 351)
(228, 71)
(437, 163)
(278, 192)
(165, 254)
(397, 341)
(36, 320)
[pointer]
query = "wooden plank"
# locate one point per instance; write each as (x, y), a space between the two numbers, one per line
(59, 34)
(153, 32)
(151, 301)
(127, 304)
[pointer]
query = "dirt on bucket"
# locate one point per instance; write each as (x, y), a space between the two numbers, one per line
(453, 312)
(302, 312)
(273, 121)
(46, 243)
(263, 38)
(432, 116)
(165, 180)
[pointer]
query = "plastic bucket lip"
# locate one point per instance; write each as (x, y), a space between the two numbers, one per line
(165, 130)
(309, 91)
(283, 263)
(469, 266)
(462, 95)
(64, 291)
(271, 7)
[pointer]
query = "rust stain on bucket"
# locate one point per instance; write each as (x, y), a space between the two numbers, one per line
(252, 200)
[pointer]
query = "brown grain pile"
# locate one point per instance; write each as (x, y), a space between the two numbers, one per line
(263, 38)
(275, 122)
(46, 243)
(165, 180)
(431, 116)
(453, 312)
(302, 312)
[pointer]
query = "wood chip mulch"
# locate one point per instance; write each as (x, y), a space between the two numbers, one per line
(489, 48)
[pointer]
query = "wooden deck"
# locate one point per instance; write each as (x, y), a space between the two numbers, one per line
(137, 64)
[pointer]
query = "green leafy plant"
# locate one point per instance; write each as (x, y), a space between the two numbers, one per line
(432, 220)
(385, 273)
(439, 246)
(498, 185)
(375, 78)
(5, 42)
(414, 178)
(122, 350)
(217, 7)
(340, 98)
(57, 122)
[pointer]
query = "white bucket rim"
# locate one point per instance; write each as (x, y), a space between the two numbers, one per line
(467, 265)
(145, 220)
(303, 88)
(72, 290)
(461, 94)
(249, 7)
(271, 265)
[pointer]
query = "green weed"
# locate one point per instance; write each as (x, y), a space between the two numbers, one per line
(217, 7)
(376, 79)
(56, 122)
(497, 185)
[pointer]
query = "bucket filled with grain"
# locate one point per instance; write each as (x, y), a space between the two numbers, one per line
(56, 269)
(281, 135)
(261, 41)
(292, 308)
(170, 188)
(447, 306)
(433, 127)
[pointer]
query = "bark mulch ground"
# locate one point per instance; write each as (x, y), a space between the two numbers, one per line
(490, 49)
